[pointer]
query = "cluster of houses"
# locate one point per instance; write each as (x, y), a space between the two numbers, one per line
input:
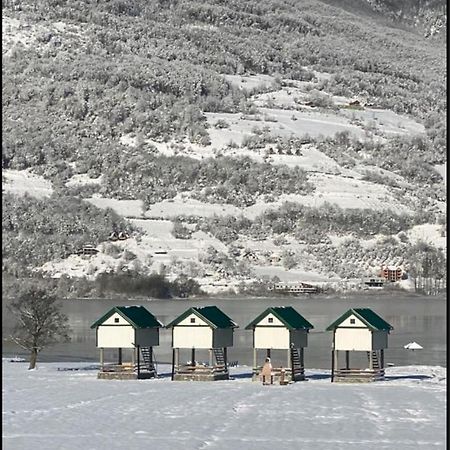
(90, 250)
(134, 331)
(385, 275)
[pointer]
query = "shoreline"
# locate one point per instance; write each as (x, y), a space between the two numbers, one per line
(234, 297)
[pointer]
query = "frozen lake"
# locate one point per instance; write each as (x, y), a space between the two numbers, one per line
(414, 318)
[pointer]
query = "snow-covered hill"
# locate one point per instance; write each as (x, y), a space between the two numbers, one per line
(326, 100)
(333, 184)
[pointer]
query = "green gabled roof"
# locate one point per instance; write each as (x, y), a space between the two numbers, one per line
(367, 316)
(210, 314)
(137, 316)
(287, 315)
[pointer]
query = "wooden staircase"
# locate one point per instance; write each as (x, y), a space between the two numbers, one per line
(375, 361)
(220, 357)
(298, 371)
(147, 357)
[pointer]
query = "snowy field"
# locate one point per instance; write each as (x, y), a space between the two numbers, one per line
(21, 182)
(70, 409)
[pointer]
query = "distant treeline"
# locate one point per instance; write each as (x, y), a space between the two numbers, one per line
(313, 224)
(153, 285)
(130, 284)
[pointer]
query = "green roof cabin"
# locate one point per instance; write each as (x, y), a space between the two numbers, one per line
(281, 328)
(364, 332)
(202, 328)
(131, 329)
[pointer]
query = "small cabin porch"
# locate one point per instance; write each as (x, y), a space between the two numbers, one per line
(347, 374)
(294, 370)
(140, 365)
(216, 368)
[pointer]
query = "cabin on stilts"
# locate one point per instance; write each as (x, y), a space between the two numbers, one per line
(280, 328)
(205, 328)
(364, 332)
(131, 331)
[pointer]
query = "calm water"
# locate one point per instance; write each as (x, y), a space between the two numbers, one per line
(414, 318)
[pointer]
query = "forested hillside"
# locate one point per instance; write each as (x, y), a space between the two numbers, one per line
(81, 77)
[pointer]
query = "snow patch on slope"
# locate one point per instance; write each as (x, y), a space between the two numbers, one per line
(20, 182)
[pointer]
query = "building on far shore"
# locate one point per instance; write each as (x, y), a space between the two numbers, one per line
(392, 273)
(375, 283)
(87, 250)
(294, 288)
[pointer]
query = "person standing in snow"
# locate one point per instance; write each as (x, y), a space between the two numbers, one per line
(266, 373)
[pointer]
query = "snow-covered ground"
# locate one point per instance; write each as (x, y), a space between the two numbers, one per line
(126, 208)
(21, 182)
(251, 82)
(71, 409)
(83, 179)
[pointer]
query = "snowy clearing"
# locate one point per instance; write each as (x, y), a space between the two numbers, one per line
(182, 205)
(83, 179)
(71, 409)
(125, 208)
(292, 275)
(250, 82)
(19, 182)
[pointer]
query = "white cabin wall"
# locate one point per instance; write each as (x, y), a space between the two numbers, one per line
(271, 337)
(347, 322)
(197, 321)
(111, 320)
(266, 321)
(358, 339)
(192, 336)
(113, 336)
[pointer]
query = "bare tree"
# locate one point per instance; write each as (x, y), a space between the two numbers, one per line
(39, 321)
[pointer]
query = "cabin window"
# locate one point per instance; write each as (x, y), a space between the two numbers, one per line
(192, 319)
(270, 320)
(116, 320)
(352, 321)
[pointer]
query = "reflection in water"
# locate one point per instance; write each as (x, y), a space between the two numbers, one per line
(420, 319)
